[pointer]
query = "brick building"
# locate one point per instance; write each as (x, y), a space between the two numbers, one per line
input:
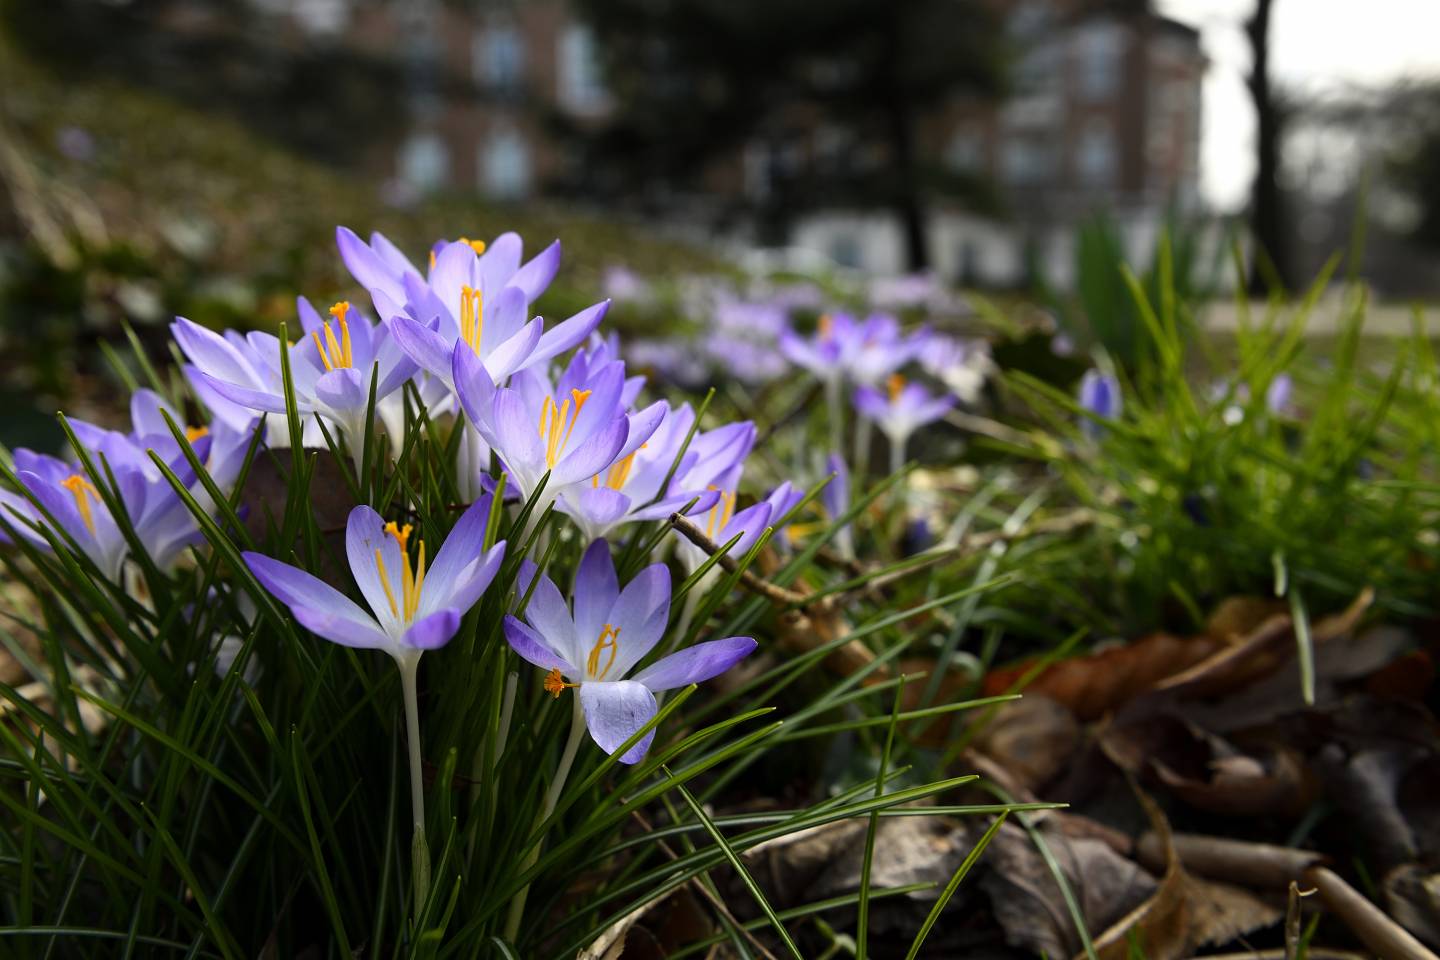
(1105, 113)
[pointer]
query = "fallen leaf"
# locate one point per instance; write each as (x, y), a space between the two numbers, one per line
(1034, 739)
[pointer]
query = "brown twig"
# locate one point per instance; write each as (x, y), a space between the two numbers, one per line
(1261, 865)
(1388, 939)
(771, 591)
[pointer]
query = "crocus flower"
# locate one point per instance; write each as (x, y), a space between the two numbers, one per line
(571, 429)
(412, 608)
(1100, 395)
(1277, 395)
(161, 521)
(723, 522)
(901, 409)
(961, 365)
(594, 647)
(330, 367)
(473, 293)
(824, 354)
(877, 348)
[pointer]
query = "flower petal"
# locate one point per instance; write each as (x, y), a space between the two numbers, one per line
(640, 614)
(694, 664)
(533, 648)
(536, 275)
(596, 588)
(548, 613)
(343, 630)
(364, 535)
(434, 631)
(297, 589)
(590, 457)
(423, 345)
(368, 269)
(614, 711)
(567, 334)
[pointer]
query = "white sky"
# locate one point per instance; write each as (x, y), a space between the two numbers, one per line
(1316, 45)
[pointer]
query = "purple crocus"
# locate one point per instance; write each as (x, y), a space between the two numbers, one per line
(961, 365)
(723, 522)
(633, 488)
(877, 348)
(902, 409)
(412, 608)
(1277, 395)
(594, 647)
(572, 428)
(1100, 396)
(473, 293)
(161, 521)
(330, 366)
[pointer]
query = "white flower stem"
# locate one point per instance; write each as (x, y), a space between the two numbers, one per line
(897, 463)
(419, 849)
(832, 402)
(552, 797)
(862, 447)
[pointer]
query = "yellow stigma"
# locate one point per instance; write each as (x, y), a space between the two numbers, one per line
(558, 422)
(555, 683)
(335, 354)
(412, 579)
(618, 473)
(477, 245)
(826, 325)
(472, 317)
(82, 490)
(609, 639)
(195, 433)
(720, 513)
(895, 384)
(432, 259)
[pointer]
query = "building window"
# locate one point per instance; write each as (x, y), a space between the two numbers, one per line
(498, 57)
(1026, 161)
(845, 250)
(965, 153)
(1101, 50)
(424, 162)
(1095, 155)
(505, 166)
(582, 86)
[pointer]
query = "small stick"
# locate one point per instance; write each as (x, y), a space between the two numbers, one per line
(1259, 865)
(1388, 939)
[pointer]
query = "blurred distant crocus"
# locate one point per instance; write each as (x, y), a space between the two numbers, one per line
(472, 293)
(959, 364)
(823, 354)
(593, 647)
(878, 348)
(901, 409)
(76, 143)
(1100, 395)
(623, 285)
(330, 367)
(1277, 395)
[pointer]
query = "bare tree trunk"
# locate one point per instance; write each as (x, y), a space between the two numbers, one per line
(906, 194)
(1267, 214)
